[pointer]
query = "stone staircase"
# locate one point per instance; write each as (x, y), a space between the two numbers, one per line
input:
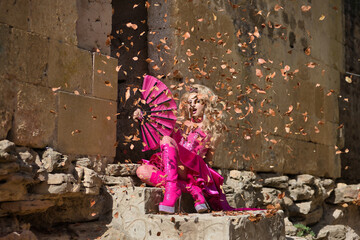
(135, 215)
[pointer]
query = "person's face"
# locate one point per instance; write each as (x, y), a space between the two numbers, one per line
(196, 105)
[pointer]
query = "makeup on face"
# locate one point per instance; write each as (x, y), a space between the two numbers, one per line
(196, 105)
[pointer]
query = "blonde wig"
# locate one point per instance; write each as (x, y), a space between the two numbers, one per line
(213, 117)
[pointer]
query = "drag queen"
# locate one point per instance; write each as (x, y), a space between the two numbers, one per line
(182, 163)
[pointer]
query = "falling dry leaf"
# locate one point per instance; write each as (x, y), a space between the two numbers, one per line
(132, 25)
(259, 73)
(55, 89)
(214, 17)
(305, 8)
(127, 94)
(256, 32)
(311, 65)
(278, 7)
(348, 80)
(261, 61)
(291, 108)
(186, 35)
(322, 17)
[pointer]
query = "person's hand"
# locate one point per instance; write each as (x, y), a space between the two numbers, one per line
(137, 115)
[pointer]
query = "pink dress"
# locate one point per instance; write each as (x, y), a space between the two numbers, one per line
(193, 148)
(192, 151)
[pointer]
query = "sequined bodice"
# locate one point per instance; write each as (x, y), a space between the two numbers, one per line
(195, 141)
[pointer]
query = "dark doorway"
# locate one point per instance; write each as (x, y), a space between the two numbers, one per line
(349, 102)
(129, 45)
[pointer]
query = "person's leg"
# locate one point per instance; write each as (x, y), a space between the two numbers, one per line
(151, 175)
(196, 193)
(169, 156)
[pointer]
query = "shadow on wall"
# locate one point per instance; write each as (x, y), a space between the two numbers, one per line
(129, 45)
(350, 97)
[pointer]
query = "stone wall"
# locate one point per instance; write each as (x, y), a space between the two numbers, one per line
(54, 93)
(276, 67)
(43, 188)
(329, 208)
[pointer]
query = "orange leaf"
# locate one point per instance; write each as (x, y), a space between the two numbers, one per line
(278, 7)
(261, 61)
(186, 35)
(132, 25)
(259, 73)
(305, 8)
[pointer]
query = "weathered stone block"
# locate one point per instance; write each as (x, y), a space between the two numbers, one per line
(326, 163)
(86, 125)
(7, 150)
(305, 179)
(7, 168)
(5, 40)
(25, 234)
(70, 68)
(301, 192)
(129, 216)
(7, 103)
(122, 169)
(54, 161)
(91, 178)
(56, 19)
(276, 182)
(337, 232)
(28, 57)
(34, 118)
(15, 13)
(93, 24)
(121, 181)
(105, 77)
(345, 194)
(5, 123)
(59, 178)
(27, 207)
(14, 187)
(270, 195)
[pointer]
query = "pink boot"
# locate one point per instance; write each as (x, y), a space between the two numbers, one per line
(196, 193)
(172, 190)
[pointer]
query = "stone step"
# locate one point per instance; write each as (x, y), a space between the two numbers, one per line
(121, 169)
(134, 213)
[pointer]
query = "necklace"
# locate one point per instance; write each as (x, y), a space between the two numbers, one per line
(197, 120)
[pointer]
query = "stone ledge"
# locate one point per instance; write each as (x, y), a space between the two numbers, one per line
(122, 169)
(134, 208)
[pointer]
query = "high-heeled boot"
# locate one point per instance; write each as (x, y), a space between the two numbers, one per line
(172, 190)
(197, 194)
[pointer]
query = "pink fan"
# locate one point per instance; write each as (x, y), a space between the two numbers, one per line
(158, 107)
